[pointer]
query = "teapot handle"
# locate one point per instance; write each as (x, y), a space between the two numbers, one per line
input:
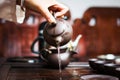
(33, 44)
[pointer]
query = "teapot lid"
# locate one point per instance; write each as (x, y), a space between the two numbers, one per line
(58, 33)
(56, 29)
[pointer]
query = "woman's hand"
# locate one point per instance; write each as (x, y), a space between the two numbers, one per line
(45, 7)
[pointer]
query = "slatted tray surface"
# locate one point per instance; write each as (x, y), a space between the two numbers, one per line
(36, 71)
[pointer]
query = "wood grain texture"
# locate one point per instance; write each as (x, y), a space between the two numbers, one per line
(101, 38)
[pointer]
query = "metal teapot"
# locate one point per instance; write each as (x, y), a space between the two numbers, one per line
(58, 33)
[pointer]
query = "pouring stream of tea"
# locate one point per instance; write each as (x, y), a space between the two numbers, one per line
(59, 61)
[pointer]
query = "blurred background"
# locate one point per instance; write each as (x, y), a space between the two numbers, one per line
(78, 7)
(98, 22)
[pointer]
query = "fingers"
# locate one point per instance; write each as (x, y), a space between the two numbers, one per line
(42, 6)
(50, 18)
(61, 10)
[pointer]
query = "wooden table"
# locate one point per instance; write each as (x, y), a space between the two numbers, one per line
(33, 69)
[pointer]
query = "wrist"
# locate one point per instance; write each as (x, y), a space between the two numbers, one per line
(21, 3)
(18, 2)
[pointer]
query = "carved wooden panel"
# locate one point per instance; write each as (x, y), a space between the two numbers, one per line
(100, 29)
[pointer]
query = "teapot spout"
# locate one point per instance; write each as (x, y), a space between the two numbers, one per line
(75, 42)
(72, 45)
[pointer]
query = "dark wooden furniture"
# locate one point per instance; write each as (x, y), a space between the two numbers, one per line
(25, 70)
(100, 30)
(16, 39)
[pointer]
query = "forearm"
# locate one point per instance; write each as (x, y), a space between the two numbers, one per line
(18, 2)
(44, 7)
